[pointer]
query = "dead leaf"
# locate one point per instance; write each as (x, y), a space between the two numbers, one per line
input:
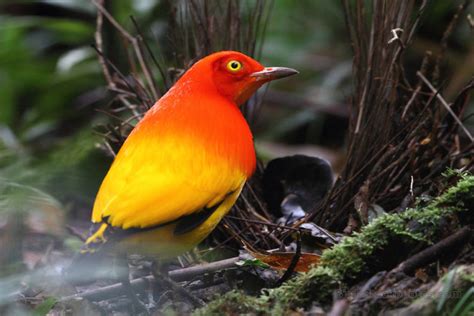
(422, 275)
(282, 260)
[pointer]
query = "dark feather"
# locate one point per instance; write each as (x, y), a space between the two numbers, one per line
(188, 223)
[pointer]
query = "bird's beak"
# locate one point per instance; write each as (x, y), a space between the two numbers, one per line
(272, 73)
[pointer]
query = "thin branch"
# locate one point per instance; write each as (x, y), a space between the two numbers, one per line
(293, 263)
(141, 284)
(75, 232)
(122, 98)
(100, 7)
(135, 43)
(432, 253)
(99, 43)
(157, 64)
(445, 104)
(102, 60)
(409, 103)
(266, 223)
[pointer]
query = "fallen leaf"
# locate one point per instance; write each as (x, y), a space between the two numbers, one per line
(422, 275)
(282, 260)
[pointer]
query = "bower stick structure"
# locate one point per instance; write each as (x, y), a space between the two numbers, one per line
(403, 133)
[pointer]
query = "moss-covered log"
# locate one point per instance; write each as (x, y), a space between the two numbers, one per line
(379, 246)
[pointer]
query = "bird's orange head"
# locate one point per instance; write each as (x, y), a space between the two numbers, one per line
(235, 75)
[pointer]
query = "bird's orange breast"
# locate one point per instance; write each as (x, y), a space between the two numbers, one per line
(213, 124)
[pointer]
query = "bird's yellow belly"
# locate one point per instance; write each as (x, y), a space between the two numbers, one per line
(163, 243)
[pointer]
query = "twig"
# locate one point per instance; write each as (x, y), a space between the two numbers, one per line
(114, 86)
(432, 253)
(222, 243)
(445, 104)
(337, 191)
(141, 284)
(259, 202)
(103, 62)
(157, 64)
(101, 8)
(266, 231)
(294, 262)
(146, 69)
(409, 103)
(369, 285)
(132, 40)
(75, 232)
(190, 272)
(99, 43)
(339, 308)
(266, 223)
(109, 149)
(175, 287)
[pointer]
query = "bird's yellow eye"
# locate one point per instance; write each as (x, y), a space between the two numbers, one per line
(234, 66)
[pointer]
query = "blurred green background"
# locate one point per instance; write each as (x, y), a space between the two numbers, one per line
(52, 92)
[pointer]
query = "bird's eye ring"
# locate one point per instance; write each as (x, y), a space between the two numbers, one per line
(234, 66)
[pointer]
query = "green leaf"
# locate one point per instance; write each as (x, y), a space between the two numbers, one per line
(448, 283)
(458, 309)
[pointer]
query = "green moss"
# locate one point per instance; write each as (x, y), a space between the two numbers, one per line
(320, 281)
(353, 257)
(233, 302)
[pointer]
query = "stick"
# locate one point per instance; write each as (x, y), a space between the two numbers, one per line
(445, 104)
(292, 266)
(339, 308)
(103, 62)
(432, 253)
(253, 221)
(409, 103)
(181, 290)
(368, 286)
(75, 232)
(132, 40)
(141, 284)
